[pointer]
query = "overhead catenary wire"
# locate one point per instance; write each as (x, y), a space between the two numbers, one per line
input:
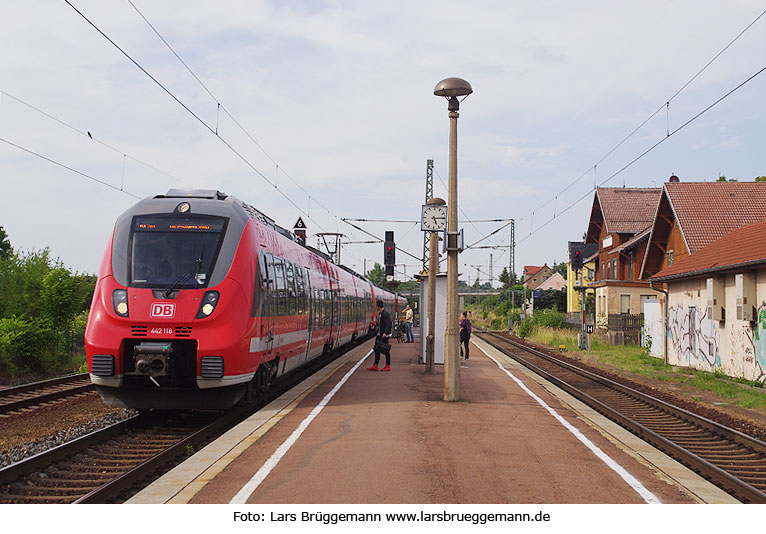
(191, 112)
(647, 151)
(665, 105)
(220, 107)
(67, 167)
(89, 135)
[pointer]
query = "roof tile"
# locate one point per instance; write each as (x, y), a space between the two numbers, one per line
(628, 210)
(707, 211)
(745, 245)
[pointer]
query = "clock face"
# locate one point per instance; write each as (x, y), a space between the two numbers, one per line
(434, 218)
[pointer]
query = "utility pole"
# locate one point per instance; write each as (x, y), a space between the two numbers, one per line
(513, 268)
(491, 277)
(429, 196)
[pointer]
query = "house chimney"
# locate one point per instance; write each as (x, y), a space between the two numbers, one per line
(673, 178)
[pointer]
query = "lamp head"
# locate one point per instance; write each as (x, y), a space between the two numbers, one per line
(451, 88)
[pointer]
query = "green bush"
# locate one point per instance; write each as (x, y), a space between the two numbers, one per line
(526, 326)
(550, 319)
(43, 312)
(27, 347)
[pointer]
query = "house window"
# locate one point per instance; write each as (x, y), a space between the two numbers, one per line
(614, 269)
(630, 267)
(670, 258)
(624, 303)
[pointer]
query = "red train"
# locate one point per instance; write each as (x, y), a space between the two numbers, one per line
(202, 299)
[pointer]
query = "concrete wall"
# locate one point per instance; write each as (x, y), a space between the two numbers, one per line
(734, 347)
(608, 300)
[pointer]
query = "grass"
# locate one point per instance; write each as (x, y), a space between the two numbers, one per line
(634, 359)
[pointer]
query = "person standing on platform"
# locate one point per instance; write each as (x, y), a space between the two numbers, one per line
(465, 334)
(381, 340)
(408, 321)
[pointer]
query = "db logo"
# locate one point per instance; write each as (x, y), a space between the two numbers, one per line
(163, 310)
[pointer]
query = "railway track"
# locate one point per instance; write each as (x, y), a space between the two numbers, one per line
(99, 466)
(731, 460)
(37, 393)
(109, 465)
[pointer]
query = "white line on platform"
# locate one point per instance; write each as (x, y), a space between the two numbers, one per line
(647, 495)
(252, 484)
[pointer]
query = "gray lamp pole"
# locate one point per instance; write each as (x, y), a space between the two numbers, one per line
(452, 88)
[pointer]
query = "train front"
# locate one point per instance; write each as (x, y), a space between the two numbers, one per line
(168, 323)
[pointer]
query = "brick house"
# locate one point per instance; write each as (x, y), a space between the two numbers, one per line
(620, 224)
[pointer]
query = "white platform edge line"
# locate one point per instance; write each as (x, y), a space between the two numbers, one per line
(249, 488)
(645, 494)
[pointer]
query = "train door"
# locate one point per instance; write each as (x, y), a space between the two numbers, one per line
(268, 309)
(337, 307)
(308, 306)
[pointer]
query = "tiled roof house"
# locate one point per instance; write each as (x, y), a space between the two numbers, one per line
(620, 224)
(716, 313)
(534, 276)
(691, 215)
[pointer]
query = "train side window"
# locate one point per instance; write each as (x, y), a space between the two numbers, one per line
(300, 290)
(273, 301)
(291, 297)
(280, 286)
(261, 290)
(323, 308)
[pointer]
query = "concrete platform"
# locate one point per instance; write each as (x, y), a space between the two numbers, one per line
(347, 435)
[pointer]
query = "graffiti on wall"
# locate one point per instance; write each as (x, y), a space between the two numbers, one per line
(694, 339)
(759, 344)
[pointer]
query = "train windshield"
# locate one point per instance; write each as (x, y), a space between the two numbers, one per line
(173, 252)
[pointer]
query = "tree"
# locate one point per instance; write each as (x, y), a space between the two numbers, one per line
(560, 268)
(760, 178)
(5, 245)
(377, 275)
(505, 278)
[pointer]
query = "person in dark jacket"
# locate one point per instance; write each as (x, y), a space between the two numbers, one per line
(384, 332)
(465, 334)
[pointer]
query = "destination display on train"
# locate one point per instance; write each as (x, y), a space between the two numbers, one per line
(161, 224)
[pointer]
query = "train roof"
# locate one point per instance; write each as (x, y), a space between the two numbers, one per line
(215, 203)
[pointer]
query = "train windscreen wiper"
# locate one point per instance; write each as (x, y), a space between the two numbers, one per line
(194, 272)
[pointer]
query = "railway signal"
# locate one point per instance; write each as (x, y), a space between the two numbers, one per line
(389, 252)
(576, 259)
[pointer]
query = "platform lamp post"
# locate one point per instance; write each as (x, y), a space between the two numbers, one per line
(451, 89)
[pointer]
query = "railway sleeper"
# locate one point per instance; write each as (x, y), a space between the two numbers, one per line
(36, 499)
(83, 475)
(711, 449)
(50, 490)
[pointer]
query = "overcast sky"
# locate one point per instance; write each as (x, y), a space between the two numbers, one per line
(338, 96)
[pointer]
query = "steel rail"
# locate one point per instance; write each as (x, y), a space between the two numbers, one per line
(5, 392)
(131, 475)
(29, 397)
(739, 488)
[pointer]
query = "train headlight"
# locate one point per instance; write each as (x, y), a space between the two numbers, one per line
(209, 302)
(120, 302)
